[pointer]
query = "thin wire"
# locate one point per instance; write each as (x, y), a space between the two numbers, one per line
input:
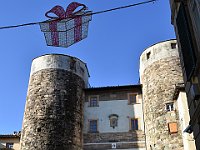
(99, 12)
(20, 25)
(122, 7)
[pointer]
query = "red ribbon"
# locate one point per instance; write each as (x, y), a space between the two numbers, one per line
(62, 14)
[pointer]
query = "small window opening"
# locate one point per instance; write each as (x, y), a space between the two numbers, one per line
(170, 106)
(173, 45)
(148, 55)
(38, 129)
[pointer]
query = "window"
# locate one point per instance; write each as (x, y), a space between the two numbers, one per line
(132, 98)
(93, 101)
(93, 126)
(113, 120)
(9, 145)
(38, 129)
(170, 106)
(173, 45)
(173, 128)
(134, 124)
(148, 55)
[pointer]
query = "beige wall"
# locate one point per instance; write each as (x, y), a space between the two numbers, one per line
(184, 118)
(14, 140)
(119, 107)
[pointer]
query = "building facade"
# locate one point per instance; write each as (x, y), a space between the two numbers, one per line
(180, 102)
(63, 113)
(10, 142)
(185, 16)
(113, 118)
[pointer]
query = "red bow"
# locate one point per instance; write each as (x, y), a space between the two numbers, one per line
(62, 14)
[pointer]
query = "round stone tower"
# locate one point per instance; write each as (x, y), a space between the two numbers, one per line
(160, 71)
(53, 117)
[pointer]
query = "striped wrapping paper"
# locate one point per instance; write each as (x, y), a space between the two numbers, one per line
(66, 32)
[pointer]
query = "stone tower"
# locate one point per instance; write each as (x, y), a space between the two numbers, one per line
(160, 71)
(53, 117)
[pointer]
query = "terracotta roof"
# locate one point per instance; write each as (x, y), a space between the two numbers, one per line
(139, 86)
(9, 136)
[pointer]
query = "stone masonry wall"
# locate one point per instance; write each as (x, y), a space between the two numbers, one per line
(158, 89)
(123, 140)
(53, 114)
(159, 77)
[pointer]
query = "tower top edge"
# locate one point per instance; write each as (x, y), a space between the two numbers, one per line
(159, 51)
(62, 62)
(62, 55)
(56, 54)
(161, 42)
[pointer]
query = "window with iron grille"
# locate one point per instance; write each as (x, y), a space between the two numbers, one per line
(93, 101)
(170, 106)
(93, 126)
(134, 124)
(186, 45)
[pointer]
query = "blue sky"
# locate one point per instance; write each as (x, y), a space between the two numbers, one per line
(111, 50)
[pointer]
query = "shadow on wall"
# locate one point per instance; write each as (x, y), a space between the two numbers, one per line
(120, 140)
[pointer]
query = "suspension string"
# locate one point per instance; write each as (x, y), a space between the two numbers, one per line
(95, 13)
(122, 7)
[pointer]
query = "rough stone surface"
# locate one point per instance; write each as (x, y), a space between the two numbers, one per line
(123, 140)
(53, 115)
(158, 80)
(117, 137)
(119, 146)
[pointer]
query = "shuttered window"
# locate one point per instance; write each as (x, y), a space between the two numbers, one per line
(173, 128)
(134, 124)
(187, 48)
(195, 10)
(93, 101)
(93, 126)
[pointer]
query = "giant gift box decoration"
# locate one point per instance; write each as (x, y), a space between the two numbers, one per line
(68, 27)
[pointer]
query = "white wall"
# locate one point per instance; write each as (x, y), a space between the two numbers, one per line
(59, 61)
(5, 140)
(106, 108)
(184, 119)
(158, 51)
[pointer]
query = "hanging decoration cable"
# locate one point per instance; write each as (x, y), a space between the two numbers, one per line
(94, 13)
